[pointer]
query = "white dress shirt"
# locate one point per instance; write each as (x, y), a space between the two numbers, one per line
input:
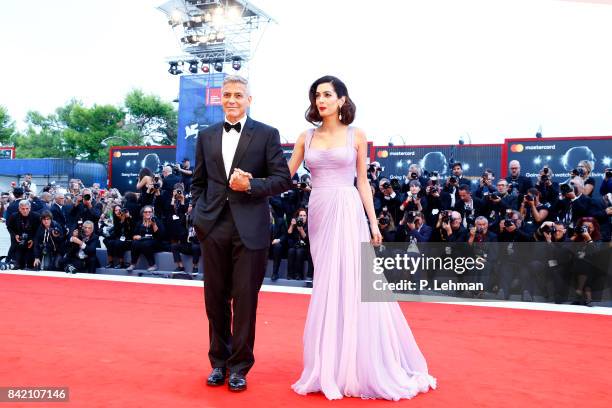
(229, 143)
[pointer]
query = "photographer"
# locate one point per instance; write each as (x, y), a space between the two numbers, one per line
(583, 170)
(436, 198)
(85, 209)
(588, 274)
(176, 217)
(485, 185)
(549, 190)
(304, 190)
(22, 226)
(510, 262)
(120, 239)
(390, 199)
(449, 227)
(374, 171)
(518, 185)
(278, 238)
(479, 240)
(414, 173)
(28, 185)
(185, 171)
(148, 186)
(81, 250)
(534, 212)
(299, 245)
(457, 169)
(575, 205)
(59, 211)
(414, 200)
(412, 228)
(146, 239)
(48, 243)
(188, 244)
(13, 207)
(606, 185)
(386, 225)
(469, 207)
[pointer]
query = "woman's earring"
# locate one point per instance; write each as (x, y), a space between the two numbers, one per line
(340, 112)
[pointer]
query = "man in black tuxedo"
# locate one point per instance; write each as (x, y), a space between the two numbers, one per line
(239, 164)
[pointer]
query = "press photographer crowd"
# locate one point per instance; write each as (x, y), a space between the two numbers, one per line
(60, 228)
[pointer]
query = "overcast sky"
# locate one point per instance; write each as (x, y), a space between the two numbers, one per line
(428, 70)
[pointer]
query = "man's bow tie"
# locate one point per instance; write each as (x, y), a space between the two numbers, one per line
(227, 126)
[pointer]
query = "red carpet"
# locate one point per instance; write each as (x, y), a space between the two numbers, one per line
(138, 345)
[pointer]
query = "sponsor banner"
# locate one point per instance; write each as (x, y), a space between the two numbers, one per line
(395, 160)
(561, 156)
(127, 161)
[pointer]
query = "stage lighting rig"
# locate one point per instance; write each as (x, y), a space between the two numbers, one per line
(174, 69)
(216, 30)
(193, 66)
(236, 64)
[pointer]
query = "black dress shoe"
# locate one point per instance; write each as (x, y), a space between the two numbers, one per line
(216, 377)
(237, 382)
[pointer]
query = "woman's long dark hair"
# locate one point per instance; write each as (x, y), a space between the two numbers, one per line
(347, 110)
(145, 171)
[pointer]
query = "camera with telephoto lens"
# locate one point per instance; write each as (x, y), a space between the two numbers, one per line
(125, 211)
(179, 192)
(302, 185)
(386, 185)
(299, 222)
(384, 220)
(578, 172)
(446, 216)
(508, 222)
(548, 229)
(87, 197)
(372, 168)
(529, 197)
(157, 183)
(452, 179)
(565, 188)
(608, 173)
(410, 217)
(434, 177)
(583, 229)
(395, 184)
(544, 177)
(24, 239)
(414, 176)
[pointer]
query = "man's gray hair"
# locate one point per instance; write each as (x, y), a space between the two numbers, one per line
(481, 218)
(25, 203)
(88, 223)
(237, 79)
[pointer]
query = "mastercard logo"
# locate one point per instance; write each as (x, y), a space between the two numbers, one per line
(117, 154)
(517, 148)
(382, 154)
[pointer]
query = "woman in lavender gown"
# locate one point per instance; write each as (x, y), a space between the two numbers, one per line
(351, 348)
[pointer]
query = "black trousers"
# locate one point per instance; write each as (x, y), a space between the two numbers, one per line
(234, 274)
(187, 248)
(277, 255)
(295, 262)
(146, 247)
(117, 248)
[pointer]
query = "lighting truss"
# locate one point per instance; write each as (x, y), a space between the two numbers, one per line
(215, 30)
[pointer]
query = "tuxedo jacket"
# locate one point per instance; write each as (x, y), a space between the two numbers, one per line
(258, 152)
